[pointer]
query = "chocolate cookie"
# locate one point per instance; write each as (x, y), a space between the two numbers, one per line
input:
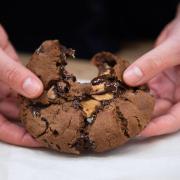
(72, 117)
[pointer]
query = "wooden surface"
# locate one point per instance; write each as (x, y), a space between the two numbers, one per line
(83, 69)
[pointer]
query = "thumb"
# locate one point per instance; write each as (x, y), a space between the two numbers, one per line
(155, 61)
(18, 77)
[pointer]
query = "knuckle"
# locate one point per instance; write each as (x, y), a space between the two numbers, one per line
(12, 75)
(155, 62)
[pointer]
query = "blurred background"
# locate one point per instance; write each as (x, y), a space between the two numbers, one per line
(88, 26)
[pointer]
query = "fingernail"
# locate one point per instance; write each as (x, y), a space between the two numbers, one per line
(31, 87)
(133, 75)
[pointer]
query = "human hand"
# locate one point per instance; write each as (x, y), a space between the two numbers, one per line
(160, 67)
(14, 77)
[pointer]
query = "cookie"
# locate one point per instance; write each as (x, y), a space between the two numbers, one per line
(72, 117)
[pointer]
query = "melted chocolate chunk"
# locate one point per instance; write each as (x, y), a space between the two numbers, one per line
(36, 108)
(98, 80)
(84, 143)
(114, 87)
(101, 79)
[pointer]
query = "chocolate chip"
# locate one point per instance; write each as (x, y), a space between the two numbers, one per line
(62, 87)
(58, 64)
(55, 133)
(84, 143)
(58, 147)
(76, 104)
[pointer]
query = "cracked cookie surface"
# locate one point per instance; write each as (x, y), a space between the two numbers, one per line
(72, 117)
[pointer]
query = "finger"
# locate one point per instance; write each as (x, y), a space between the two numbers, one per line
(167, 86)
(7, 94)
(165, 124)
(6, 45)
(4, 90)
(155, 61)
(9, 109)
(13, 134)
(177, 94)
(161, 107)
(18, 77)
(12, 99)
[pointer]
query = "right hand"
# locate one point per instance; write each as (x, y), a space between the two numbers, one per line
(14, 78)
(160, 68)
